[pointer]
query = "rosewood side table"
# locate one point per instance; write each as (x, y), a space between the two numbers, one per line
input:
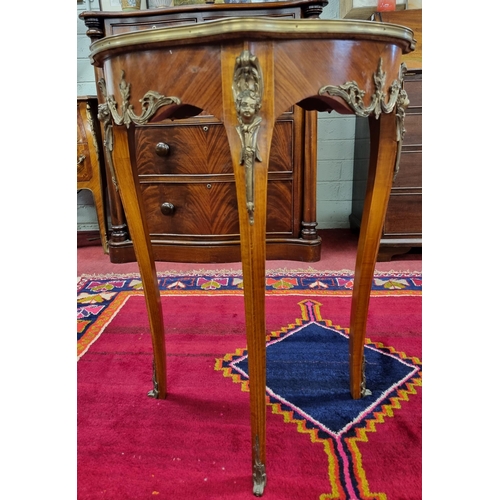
(247, 72)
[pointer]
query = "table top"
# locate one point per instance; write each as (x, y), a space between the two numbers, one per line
(256, 28)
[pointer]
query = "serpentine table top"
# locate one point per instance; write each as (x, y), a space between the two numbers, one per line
(247, 71)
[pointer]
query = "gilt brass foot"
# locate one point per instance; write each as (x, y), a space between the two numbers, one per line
(153, 393)
(364, 390)
(259, 472)
(259, 479)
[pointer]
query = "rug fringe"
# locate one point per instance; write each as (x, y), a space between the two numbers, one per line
(238, 272)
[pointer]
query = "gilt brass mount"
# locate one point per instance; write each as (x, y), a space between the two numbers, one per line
(259, 471)
(247, 94)
(353, 95)
(364, 390)
(108, 111)
(398, 98)
(80, 160)
(154, 392)
(151, 102)
(104, 116)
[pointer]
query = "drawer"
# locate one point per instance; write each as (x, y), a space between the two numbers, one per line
(210, 209)
(404, 215)
(413, 129)
(198, 209)
(410, 169)
(115, 27)
(414, 90)
(279, 220)
(183, 150)
(282, 147)
(202, 149)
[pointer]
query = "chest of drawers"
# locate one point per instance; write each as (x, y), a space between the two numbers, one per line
(402, 229)
(185, 171)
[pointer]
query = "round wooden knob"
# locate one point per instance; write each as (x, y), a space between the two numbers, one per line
(167, 208)
(162, 149)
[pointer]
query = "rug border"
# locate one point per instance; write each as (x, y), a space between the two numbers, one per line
(238, 272)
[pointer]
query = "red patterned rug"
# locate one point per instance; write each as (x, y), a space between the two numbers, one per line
(196, 444)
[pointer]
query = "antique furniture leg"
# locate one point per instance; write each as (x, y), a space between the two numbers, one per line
(249, 122)
(118, 230)
(253, 263)
(309, 222)
(383, 139)
(134, 211)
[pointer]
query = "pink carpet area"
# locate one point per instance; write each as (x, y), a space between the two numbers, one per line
(338, 252)
(196, 443)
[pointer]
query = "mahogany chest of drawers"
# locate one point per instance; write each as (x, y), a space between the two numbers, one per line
(402, 230)
(185, 171)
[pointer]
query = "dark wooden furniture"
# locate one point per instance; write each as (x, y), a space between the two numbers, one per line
(247, 72)
(89, 159)
(402, 229)
(185, 167)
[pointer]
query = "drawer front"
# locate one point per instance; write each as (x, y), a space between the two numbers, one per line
(202, 149)
(210, 209)
(414, 90)
(413, 130)
(410, 170)
(410, 167)
(183, 150)
(114, 28)
(279, 220)
(404, 215)
(198, 209)
(281, 157)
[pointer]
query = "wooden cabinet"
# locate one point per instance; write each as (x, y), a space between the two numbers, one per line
(402, 230)
(89, 159)
(185, 171)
